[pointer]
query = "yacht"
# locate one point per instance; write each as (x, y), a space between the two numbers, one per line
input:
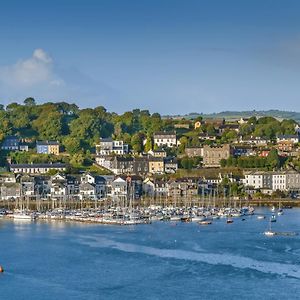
(24, 216)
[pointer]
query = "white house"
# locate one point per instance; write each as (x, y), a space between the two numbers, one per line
(167, 139)
(108, 146)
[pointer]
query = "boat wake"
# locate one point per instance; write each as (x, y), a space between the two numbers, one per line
(287, 270)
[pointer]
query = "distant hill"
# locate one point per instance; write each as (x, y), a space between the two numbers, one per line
(238, 114)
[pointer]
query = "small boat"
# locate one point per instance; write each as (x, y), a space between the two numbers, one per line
(185, 219)
(229, 221)
(273, 218)
(273, 208)
(269, 233)
(205, 222)
(24, 216)
(280, 212)
(261, 217)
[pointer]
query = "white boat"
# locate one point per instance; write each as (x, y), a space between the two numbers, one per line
(269, 233)
(261, 217)
(198, 218)
(207, 222)
(23, 216)
(273, 208)
(280, 212)
(175, 218)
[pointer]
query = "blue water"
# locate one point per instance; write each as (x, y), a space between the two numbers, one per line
(59, 260)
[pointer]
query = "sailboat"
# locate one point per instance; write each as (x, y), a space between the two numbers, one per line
(270, 232)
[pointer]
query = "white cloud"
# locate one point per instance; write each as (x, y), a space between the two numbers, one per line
(40, 77)
(30, 72)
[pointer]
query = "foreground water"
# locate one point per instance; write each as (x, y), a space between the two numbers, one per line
(161, 260)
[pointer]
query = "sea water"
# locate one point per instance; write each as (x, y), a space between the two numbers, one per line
(162, 260)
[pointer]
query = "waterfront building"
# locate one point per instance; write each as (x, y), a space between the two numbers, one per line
(183, 187)
(27, 185)
(273, 180)
(10, 191)
(93, 185)
(119, 188)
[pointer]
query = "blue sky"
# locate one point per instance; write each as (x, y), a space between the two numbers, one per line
(168, 56)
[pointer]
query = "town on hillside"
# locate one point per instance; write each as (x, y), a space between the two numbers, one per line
(60, 152)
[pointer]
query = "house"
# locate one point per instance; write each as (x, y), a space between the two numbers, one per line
(167, 139)
(242, 121)
(10, 143)
(58, 186)
(87, 191)
(212, 155)
(134, 186)
(194, 151)
(36, 168)
(258, 141)
(170, 165)
(23, 147)
(156, 165)
(8, 178)
(161, 188)
(43, 186)
(104, 161)
(155, 188)
(47, 147)
(121, 165)
(28, 185)
(228, 127)
(10, 191)
(108, 146)
(215, 122)
(243, 151)
(140, 165)
(285, 146)
(148, 187)
(119, 188)
(294, 138)
(182, 125)
(273, 180)
(207, 137)
(157, 153)
(183, 187)
(94, 183)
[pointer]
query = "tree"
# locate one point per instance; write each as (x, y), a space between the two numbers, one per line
(72, 145)
(273, 160)
(137, 142)
(149, 144)
(29, 101)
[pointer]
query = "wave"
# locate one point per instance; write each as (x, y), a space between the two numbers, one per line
(235, 261)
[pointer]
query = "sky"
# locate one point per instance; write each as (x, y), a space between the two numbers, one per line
(168, 56)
